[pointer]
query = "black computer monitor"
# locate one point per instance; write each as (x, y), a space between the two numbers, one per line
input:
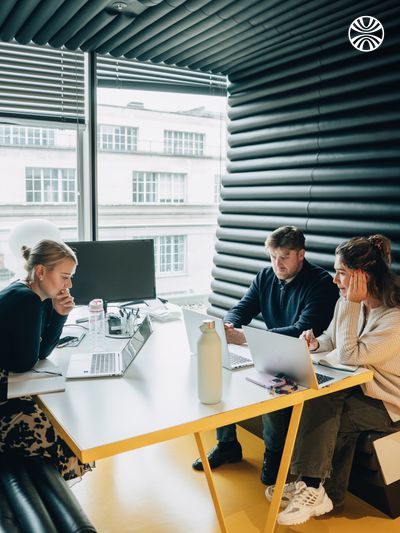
(116, 271)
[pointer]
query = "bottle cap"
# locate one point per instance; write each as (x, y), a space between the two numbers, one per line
(209, 324)
(96, 305)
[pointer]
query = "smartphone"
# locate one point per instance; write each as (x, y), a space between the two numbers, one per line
(268, 381)
(66, 340)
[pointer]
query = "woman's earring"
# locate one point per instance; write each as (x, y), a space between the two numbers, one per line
(41, 278)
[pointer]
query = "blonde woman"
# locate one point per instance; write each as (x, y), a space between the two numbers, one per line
(32, 314)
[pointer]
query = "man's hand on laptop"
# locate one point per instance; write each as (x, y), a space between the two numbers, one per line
(234, 335)
(310, 339)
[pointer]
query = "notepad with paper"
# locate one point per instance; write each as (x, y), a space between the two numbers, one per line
(330, 360)
(45, 377)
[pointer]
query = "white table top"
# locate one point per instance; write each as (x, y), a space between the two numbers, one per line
(155, 400)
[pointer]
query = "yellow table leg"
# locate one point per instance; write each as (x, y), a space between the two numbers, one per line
(211, 487)
(284, 468)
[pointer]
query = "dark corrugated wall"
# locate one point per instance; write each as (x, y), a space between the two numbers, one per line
(314, 142)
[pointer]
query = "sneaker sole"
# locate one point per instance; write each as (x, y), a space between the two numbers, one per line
(324, 507)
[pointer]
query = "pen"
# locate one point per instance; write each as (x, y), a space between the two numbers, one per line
(46, 372)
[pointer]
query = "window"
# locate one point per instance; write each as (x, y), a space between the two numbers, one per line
(167, 196)
(159, 188)
(183, 143)
(169, 252)
(50, 185)
(117, 138)
(22, 136)
(217, 188)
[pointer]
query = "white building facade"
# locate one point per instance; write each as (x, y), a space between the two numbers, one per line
(158, 176)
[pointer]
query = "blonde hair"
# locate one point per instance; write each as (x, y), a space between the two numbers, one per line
(47, 253)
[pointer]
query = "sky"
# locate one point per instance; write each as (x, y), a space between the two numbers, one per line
(161, 101)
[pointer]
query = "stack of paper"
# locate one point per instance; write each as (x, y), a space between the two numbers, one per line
(43, 378)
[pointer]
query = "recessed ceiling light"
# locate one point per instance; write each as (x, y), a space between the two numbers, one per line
(119, 5)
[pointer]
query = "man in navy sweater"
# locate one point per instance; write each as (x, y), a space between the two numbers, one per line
(292, 296)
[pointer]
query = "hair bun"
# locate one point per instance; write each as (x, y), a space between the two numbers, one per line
(376, 241)
(26, 252)
(382, 245)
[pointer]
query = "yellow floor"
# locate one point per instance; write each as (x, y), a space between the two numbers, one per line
(155, 490)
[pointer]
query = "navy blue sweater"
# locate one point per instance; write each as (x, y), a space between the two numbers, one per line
(29, 328)
(306, 302)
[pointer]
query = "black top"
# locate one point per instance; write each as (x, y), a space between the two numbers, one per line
(29, 328)
(306, 302)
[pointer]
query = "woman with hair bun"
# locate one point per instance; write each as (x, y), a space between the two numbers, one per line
(365, 331)
(33, 312)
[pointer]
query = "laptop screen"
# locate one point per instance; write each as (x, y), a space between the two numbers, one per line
(133, 347)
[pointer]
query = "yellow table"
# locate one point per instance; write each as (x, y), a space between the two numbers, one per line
(156, 401)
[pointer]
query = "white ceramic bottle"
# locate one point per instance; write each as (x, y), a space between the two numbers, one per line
(96, 324)
(209, 364)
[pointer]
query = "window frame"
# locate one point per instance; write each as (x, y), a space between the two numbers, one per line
(152, 183)
(50, 181)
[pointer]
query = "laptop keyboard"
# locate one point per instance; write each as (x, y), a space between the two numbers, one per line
(237, 360)
(322, 378)
(102, 363)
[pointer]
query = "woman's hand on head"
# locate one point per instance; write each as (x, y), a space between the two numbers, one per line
(63, 303)
(358, 290)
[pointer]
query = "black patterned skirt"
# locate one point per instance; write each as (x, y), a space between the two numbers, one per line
(26, 430)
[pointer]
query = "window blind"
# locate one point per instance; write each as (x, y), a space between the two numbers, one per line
(41, 83)
(127, 73)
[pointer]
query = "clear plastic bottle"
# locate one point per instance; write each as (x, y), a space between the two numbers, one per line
(209, 364)
(96, 324)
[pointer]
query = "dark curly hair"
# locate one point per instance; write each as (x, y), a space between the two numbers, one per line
(373, 255)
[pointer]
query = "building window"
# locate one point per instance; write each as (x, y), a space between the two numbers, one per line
(117, 138)
(24, 136)
(50, 185)
(183, 143)
(217, 188)
(159, 187)
(169, 254)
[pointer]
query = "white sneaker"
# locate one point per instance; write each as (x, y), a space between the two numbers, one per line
(306, 503)
(289, 490)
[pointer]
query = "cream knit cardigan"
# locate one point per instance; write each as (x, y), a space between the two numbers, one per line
(375, 346)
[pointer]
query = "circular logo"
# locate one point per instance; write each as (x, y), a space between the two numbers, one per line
(366, 33)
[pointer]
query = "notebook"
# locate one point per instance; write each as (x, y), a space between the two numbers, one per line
(330, 360)
(233, 355)
(112, 363)
(279, 354)
(44, 377)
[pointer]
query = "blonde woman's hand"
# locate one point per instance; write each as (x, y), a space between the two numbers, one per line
(310, 339)
(357, 291)
(63, 303)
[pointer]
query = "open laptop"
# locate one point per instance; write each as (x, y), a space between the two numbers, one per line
(105, 364)
(233, 355)
(279, 354)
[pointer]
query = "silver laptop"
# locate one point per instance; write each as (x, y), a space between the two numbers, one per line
(105, 364)
(279, 354)
(233, 355)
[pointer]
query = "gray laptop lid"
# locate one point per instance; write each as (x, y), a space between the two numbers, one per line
(233, 356)
(193, 320)
(133, 347)
(279, 354)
